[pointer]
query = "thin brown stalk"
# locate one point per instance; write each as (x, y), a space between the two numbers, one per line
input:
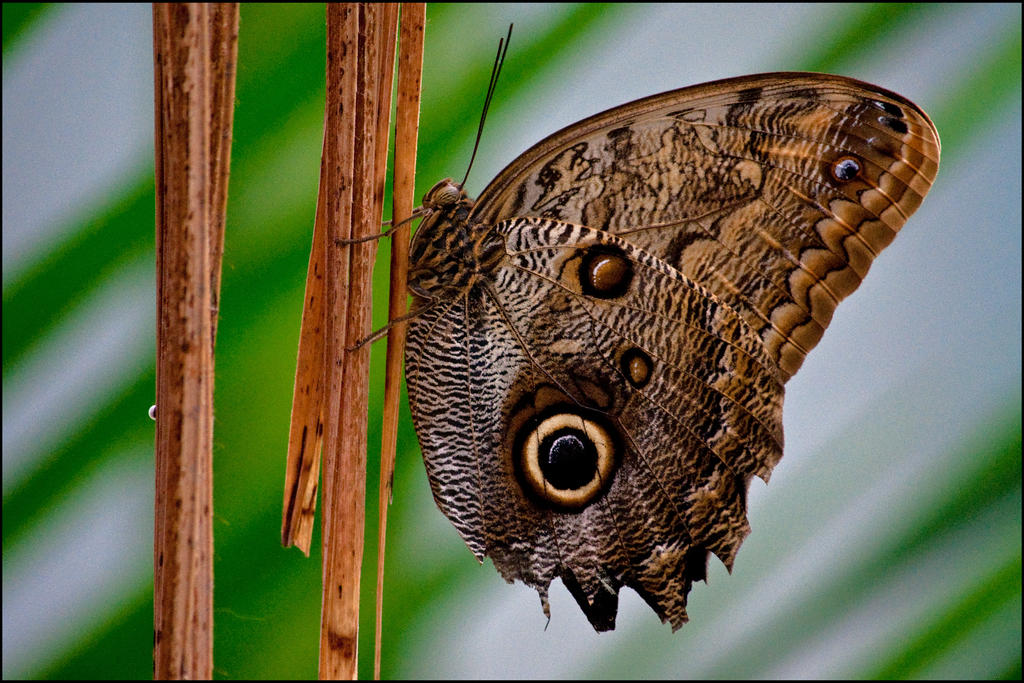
(194, 52)
(410, 67)
(305, 437)
(337, 632)
(355, 39)
(385, 70)
(302, 470)
(223, 57)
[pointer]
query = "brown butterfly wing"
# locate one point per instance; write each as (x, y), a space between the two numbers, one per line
(775, 192)
(673, 385)
(672, 262)
(692, 404)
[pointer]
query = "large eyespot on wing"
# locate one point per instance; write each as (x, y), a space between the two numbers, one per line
(659, 399)
(775, 192)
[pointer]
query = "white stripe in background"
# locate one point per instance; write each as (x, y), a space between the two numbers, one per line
(653, 49)
(77, 113)
(77, 121)
(79, 565)
(905, 602)
(75, 371)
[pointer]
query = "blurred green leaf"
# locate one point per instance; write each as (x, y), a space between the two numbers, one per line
(944, 633)
(861, 29)
(985, 88)
(39, 299)
(19, 18)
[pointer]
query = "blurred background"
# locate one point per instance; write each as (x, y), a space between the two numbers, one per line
(889, 541)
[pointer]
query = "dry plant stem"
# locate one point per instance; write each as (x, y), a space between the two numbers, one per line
(355, 39)
(410, 67)
(305, 438)
(385, 72)
(223, 57)
(302, 470)
(337, 632)
(194, 50)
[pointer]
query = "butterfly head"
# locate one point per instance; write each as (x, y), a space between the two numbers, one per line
(444, 194)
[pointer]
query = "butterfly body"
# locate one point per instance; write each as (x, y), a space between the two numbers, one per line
(600, 366)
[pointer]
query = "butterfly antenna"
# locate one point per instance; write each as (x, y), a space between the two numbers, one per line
(499, 59)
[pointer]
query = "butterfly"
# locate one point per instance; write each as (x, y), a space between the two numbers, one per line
(605, 334)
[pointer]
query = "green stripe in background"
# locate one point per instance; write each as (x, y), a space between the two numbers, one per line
(20, 19)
